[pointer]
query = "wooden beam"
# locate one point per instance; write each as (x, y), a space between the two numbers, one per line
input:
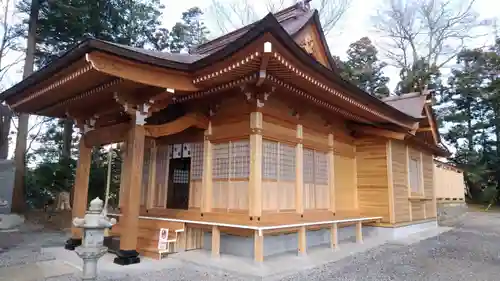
(215, 241)
(255, 180)
(431, 122)
(367, 130)
(141, 73)
(180, 124)
(206, 180)
(81, 186)
(106, 135)
(424, 129)
(359, 232)
(302, 239)
(258, 246)
(130, 213)
(299, 172)
(334, 237)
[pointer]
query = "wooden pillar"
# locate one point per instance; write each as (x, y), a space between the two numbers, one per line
(359, 232)
(81, 189)
(334, 237)
(124, 171)
(130, 213)
(302, 241)
(206, 180)
(390, 183)
(299, 172)
(255, 181)
(331, 172)
(215, 241)
(258, 246)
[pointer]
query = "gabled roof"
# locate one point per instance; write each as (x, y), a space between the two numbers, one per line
(418, 105)
(411, 103)
(189, 63)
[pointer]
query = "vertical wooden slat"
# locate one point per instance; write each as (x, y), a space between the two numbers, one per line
(302, 241)
(422, 184)
(355, 186)
(334, 237)
(81, 186)
(206, 180)
(130, 218)
(390, 183)
(258, 246)
(215, 241)
(359, 232)
(331, 172)
(299, 172)
(151, 193)
(408, 187)
(255, 180)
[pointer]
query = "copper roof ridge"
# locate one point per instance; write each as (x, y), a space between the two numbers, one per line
(280, 16)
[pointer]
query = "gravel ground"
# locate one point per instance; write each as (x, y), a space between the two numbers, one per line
(469, 252)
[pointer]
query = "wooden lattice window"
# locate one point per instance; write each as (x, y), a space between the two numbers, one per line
(320, 168)
(269, 160)
(240, 159)
(196, 160)
(287, 162)
(145, 170)
(220, 165)
(308, 165)
(180, 176)
(414, 175)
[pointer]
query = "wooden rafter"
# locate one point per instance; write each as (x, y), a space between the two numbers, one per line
(189, 120)
(82, 70)
(79, 97)
(368, 130)
(141, 73)
(431, 122)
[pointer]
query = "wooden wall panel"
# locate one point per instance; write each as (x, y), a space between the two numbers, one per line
(229, 131)
(372, 178)
(229, 196)
(195, 194)
(418, 210)
(448, 183)
(270, 198)
(400, 181)
(278, 196)
(345, 184)
(428, 173)
(220, 195)
(278, 132)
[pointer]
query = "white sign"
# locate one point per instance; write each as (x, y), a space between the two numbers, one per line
(163, 239)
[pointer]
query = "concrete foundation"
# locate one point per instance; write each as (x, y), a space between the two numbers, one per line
(283, 243)
(404, 231)
(450, 213)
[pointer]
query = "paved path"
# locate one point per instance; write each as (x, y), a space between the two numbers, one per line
(468, 252)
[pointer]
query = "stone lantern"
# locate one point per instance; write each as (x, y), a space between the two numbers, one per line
(92, 249)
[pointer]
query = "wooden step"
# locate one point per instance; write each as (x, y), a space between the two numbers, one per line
(153, 253)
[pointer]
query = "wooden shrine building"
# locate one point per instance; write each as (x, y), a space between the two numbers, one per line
(252, 139)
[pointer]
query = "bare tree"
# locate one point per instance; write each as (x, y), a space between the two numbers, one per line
(230, 15)
(8, 41)
(18, 196)
(430, 30)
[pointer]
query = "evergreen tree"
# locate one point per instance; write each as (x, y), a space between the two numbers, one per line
(364, 69)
